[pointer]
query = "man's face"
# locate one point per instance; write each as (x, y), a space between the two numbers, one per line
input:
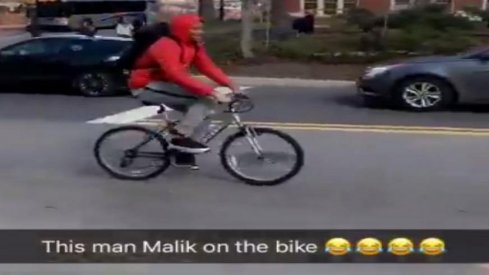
(196, 32)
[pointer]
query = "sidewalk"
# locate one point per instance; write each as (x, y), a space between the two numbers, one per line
(291, 82)
(12, 27)
(297, 71)
(286, 82)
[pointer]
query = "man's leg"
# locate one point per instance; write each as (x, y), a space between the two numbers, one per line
(194, 119)
(193, 124)
(152, 96)
(195, 111)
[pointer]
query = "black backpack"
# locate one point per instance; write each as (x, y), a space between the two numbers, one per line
(143, 39)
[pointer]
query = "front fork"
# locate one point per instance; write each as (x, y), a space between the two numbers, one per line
(250, 136)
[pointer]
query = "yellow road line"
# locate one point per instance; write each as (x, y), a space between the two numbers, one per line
(368, 126)
(396, 129)
(385, 131)
(361, 126)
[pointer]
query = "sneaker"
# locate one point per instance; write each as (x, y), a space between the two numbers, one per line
(188, 145)
(184, 160)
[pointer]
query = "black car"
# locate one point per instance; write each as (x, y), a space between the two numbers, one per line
(85, 65)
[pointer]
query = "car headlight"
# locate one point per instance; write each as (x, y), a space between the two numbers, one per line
(375, 71)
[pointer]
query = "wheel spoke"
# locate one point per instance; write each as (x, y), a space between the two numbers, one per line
(425, 102)
(434, 94)
(425, 86)
(412, 91)
(412, 95)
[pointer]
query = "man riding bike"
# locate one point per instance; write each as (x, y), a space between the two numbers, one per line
(161, 75)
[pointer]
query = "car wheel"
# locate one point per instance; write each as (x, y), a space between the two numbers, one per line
(424, 94)
(95, 84)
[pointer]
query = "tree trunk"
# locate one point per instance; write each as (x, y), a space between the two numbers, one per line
(221, 10)
(207, 10)
(247, 29)
(279, 16)
(34, 29)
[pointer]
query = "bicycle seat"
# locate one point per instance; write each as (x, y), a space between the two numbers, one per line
(150, 103)
(162, 108)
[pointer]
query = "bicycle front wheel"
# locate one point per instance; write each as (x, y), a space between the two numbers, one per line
(132, 152)
(262, 156)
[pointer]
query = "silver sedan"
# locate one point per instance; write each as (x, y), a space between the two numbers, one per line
(429, 83)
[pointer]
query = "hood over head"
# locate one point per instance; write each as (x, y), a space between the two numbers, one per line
(181, 25)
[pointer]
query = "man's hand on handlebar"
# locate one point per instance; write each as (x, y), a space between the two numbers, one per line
(222, 95)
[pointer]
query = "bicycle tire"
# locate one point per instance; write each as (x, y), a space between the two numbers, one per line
(116, 174)
(290, 140)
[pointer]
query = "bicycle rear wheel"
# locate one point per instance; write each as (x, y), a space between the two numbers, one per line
(132, 152)
(280, 157)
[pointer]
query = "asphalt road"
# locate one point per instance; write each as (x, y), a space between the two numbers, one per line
(364, 168)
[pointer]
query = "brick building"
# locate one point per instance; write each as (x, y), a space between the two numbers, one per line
(325, 7)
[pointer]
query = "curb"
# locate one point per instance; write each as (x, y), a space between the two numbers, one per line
(12, 27)
(291, 82)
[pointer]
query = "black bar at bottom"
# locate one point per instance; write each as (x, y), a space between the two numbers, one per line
(228, 246)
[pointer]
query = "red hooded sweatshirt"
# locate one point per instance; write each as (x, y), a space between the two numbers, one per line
(168, 60)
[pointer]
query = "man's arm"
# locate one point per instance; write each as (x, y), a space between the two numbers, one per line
(208, 68)
(167, 53)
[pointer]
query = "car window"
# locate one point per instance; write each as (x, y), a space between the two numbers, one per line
(106, 48)
(35, 47)
(110, 46)
(77, 46)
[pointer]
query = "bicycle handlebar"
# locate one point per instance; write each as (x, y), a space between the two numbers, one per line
(240, 103)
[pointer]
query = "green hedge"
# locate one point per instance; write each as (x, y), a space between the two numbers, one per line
(429, 40)
(431, 16)
(362, 18)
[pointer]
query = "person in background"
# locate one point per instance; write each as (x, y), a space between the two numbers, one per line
(87, 27)
(33, 28)
(304, 25)
(143, 18)
(137, 24)
(123, 28)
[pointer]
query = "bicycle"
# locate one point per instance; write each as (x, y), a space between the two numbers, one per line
(160, 157)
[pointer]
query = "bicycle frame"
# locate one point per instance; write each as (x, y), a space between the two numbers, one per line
(233, 119)
(249, 132)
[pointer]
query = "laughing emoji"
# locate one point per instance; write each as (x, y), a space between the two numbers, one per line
(432, 247)
(401, 246)
(369, 247)
(338, 247)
